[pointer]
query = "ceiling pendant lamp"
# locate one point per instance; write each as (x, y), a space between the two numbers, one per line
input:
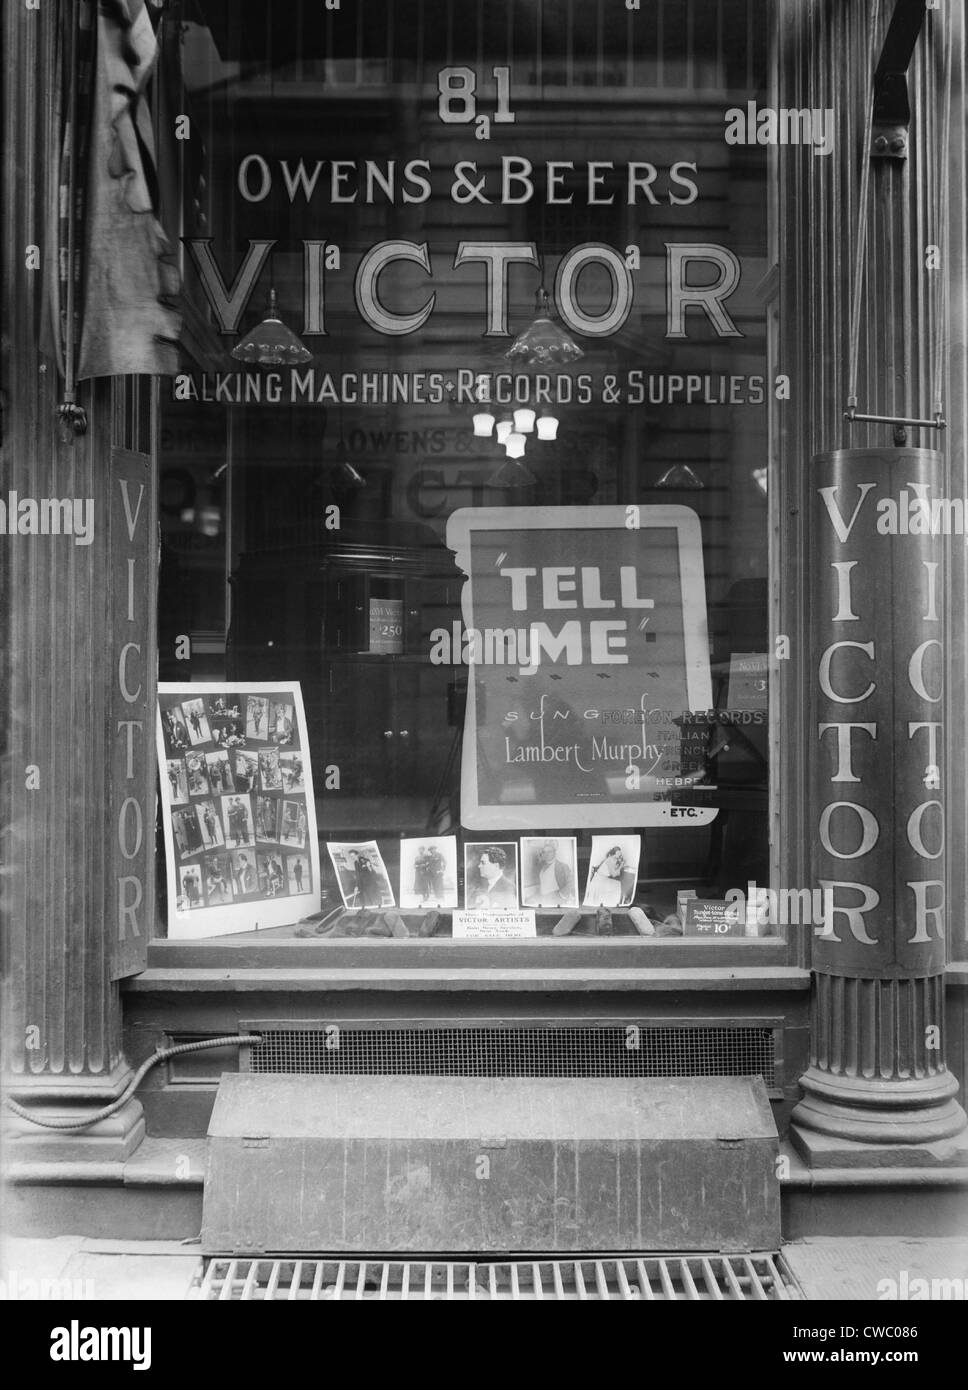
(504, 428)
(544, 343)
(547, 426)
(271, 343)
(512, 473)
(483, 424)
(347, 476)
(514, 445)
(679, 477)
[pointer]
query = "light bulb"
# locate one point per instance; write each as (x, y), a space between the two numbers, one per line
(514, 445)
(504, 428)
(547, 427)
(483, 424)
(524, 420)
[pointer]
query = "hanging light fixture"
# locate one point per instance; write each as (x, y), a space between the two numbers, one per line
(512, 473)
(547, 426)
(483, 424)
(504, 428)
(679, 477)
(524, 420)
(544, 343)
(271, 344)
(514, 445)
(346, 476)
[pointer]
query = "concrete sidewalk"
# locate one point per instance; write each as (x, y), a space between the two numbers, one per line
(81, 1268)
(881, 1268)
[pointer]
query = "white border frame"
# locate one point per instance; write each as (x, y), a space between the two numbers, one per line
(205, 922)
(461, 525)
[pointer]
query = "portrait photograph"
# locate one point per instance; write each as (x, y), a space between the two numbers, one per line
(237, 821)
(291, 771)
(177, 779)
(269, 773)
(281, 725)
(245, 878)
(428, 872)
(256, 717)
(197, 721)
(217, 877)
(209, 825)
(361, 874)
(188, 837)
(491, 875)
(299, 873)
(197, 771)
(613, 869)
(190, 894)
(267, 818)
(174, 730)
(245, 771)
(293, 824)
(219, 773)
(549, 871)
(272, 878)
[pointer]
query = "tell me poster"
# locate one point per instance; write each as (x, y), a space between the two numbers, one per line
(585, 636)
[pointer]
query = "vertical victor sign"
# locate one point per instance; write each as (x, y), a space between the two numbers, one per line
(877, 1073)
(131, 730)
(878, 662)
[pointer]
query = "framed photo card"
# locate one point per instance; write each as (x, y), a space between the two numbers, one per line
(428, 872)
(361, 873)
(613, 869)
(491, 875)
(549, 871)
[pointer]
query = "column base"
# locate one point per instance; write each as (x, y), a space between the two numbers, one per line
(109, 1141)
(861, 1122)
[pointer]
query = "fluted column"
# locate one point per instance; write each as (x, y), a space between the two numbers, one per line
(872, 693)
(77, 769)
(873, 1077)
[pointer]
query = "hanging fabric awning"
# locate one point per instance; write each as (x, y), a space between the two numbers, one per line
(118, 275)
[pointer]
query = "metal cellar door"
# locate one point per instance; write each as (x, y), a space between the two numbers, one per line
(424, 1165)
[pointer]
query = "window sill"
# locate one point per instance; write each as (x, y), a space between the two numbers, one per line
(455, 967)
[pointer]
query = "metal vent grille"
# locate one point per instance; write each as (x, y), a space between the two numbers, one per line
(693, 1278)
(607, 1051)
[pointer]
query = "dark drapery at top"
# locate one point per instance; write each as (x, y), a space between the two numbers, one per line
(126, 279)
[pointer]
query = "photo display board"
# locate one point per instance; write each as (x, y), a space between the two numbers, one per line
(238, 810)
(585, 632)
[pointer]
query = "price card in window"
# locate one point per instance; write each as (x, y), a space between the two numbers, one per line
(386, 626)
(713, 917)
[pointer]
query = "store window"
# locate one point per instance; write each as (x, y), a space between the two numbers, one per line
(464, 599)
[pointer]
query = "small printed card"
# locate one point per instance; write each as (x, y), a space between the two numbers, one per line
(748, 681)
(494, 925)
(713, 917)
